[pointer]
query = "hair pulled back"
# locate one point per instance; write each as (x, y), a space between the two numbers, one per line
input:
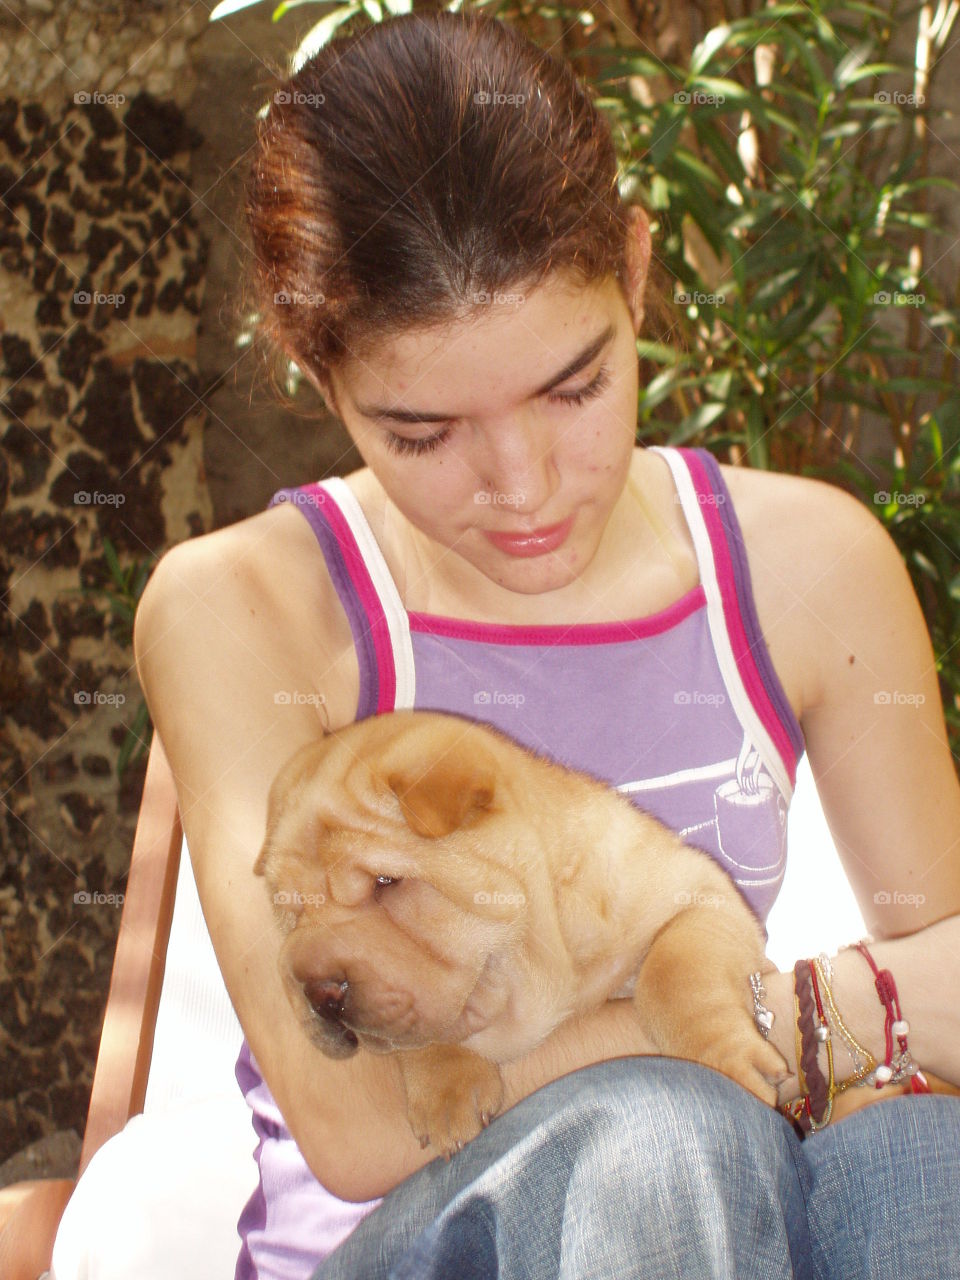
(410, 170)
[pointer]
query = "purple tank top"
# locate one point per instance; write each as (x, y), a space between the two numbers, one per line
(681, 710)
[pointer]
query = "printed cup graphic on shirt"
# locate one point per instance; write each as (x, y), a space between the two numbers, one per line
(745, 804)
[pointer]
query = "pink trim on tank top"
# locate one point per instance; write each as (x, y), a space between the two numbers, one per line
(367, 592)
(582, 633)
(743, 655)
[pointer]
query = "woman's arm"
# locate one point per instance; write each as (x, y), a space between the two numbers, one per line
(878, 749)
(215, 643)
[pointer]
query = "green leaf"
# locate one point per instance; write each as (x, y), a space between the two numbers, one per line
(660, 388)
(321, 33)
(774, 289)
(666, 132)
(695, 169)
(708, 46)
(226, 7)
(286, 5)
(656, 351)
(113, 564)
(728, 91)
(861, 73)
(699, 420)
(134, 744)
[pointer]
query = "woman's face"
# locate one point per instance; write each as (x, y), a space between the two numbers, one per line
(475, 432)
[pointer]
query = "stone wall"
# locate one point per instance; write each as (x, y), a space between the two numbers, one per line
(128, 415)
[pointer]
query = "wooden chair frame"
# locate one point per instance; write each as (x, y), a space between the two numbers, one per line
(30, 1212)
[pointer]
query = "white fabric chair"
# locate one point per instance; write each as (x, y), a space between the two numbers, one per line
(162, 1197)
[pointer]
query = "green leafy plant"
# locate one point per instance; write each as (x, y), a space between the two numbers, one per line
(789, 179)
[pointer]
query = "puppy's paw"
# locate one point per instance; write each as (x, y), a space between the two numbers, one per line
(451, 1095)
(746, 1057)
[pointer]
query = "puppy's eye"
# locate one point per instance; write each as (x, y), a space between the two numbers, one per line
(387, 880)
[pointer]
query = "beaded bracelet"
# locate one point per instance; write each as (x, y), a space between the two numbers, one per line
(863, 1060)
(894, 1025)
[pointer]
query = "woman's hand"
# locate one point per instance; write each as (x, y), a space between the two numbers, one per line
(926, 969)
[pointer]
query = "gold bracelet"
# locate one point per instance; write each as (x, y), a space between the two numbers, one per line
(864, 1061)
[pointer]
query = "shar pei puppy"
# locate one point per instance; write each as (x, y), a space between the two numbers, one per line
(451, 897)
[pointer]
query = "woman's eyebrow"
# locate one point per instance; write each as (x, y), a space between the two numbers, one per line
(589, 352)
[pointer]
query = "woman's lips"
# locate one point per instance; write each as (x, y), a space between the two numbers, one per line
(532, 544)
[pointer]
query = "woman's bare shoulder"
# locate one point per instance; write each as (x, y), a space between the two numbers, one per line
(269, 561)
(258, 591)
(796, 532)
(780, 514)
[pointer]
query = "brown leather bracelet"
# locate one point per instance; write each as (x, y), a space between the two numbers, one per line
(814, 1081)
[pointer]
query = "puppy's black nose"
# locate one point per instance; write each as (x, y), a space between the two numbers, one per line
(326, 997)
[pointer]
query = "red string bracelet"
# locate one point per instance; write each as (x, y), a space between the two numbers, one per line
(894, 1024)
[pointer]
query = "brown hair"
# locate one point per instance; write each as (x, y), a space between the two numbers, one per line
(413, 165)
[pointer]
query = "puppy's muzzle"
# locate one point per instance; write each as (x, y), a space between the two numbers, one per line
(327, 998)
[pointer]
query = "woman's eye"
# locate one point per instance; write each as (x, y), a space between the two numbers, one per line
(404, 445)
(594, 388)
(426, 444)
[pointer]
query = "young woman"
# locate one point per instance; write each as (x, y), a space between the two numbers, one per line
(441, 247)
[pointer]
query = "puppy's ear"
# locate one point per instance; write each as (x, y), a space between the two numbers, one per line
(437, 798)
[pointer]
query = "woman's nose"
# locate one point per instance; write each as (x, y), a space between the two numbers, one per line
(517, 469)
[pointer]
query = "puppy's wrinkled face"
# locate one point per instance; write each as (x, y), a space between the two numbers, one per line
(400, 913)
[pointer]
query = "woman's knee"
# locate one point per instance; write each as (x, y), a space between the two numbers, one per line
(678, 1115)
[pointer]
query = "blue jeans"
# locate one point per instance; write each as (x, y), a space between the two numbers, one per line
(651, 1167)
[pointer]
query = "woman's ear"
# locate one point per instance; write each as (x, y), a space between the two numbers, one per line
(636, 262)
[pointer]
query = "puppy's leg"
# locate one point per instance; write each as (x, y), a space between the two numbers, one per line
(693, 995)
(451, 1094)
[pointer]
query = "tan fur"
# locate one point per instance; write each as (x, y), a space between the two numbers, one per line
(525, 893)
